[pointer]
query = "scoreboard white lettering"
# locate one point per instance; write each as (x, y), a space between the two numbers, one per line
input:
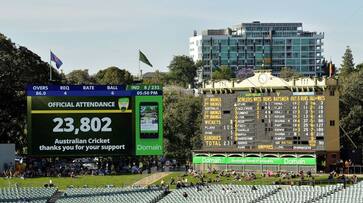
(286, 121)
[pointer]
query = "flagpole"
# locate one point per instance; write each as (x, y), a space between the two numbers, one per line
(50, 66)
(139, 66)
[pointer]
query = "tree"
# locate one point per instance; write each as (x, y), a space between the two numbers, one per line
(182, 123)
(222, 73)
(288, 73)
(113, 76)
(80, 77)
(244, 73)
(351, 107)
(156, 77)
(18, 68)
(183, 70)
(359, 67)
(347, 65)
(198, 64)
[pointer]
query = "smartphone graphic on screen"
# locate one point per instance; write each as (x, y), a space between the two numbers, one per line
(149, 120)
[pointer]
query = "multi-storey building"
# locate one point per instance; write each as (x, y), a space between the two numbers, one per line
(259, 45)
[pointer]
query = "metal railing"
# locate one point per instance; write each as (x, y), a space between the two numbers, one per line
(356, 169)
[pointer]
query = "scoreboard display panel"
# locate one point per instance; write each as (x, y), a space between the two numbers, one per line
(94, 120)
(282, 120)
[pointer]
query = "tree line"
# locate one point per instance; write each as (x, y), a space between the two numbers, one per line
(182, 110)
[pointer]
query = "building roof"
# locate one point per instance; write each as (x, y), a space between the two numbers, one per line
(259, 24)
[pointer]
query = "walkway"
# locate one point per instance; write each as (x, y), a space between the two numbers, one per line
(151, 179)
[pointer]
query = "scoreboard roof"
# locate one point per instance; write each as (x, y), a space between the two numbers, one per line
(263, 79)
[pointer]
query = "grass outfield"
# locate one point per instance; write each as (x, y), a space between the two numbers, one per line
(125, 180)
(230, 180)
(62, 183)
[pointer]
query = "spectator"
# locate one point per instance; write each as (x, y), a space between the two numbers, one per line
(172, 180)
(344, 181)
(178, 185)
(166, 190)
(313, 179)
(354, 179)
(162, 182)
(199, 188)
(218, 179)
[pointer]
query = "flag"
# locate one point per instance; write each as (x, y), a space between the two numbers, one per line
(331, 69)
(56, 60)
(143, 59)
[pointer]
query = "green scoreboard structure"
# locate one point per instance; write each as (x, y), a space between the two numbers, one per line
(94, 120)
(268, 123)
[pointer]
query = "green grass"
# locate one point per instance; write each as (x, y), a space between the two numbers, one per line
(125, 180)
(230, 180)
(62, 182)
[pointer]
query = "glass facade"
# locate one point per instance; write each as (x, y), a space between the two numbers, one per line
(264, 45)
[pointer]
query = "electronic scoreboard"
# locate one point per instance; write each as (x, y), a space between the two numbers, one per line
(80, 120)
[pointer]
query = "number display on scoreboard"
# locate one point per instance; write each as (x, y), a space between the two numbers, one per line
(94, 124)
(91, 120)
(287, 121)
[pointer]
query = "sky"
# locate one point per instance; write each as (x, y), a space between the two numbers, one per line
(94, 34)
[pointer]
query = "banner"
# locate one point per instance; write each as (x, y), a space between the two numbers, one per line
(253, 160)
(149, 122)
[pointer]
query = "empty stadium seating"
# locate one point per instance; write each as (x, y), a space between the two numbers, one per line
(26, 194)
(221, 193)
(110, 195)
(204, 194)
(264, 194)
(302, 194)
(352, 194)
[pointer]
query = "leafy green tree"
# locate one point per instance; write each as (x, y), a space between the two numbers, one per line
(182, 123)
(18, 68)
(113, 76)
(79, 77)
(347, 65)
(182, 70)
(244, 73)
(222, 73)
(351, 107)
(156, 77)
(288, 73)
(359, 67)
(198, 64)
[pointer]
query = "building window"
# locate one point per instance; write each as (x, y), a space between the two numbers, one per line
(332, 122)
(331, 92)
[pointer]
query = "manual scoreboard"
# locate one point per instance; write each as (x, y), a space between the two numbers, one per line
(79, 120)
(282, 120)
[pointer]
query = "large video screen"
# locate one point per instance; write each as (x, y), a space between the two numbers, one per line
(94, 120)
